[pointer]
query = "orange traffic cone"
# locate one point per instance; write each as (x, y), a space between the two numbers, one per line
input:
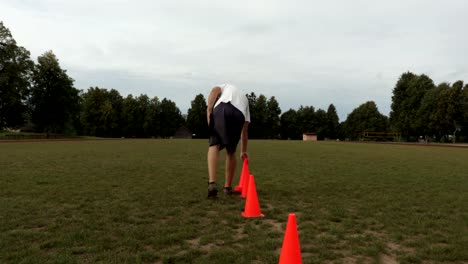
(244, 174)
(291, 250)
(245, 185)
(252, 207)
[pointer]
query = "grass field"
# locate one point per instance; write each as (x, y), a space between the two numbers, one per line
(144, 201)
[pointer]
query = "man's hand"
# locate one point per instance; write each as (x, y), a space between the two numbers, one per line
(244, 155)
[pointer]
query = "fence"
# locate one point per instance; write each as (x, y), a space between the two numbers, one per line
(395, 136)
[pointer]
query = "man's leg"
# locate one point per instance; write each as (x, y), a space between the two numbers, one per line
(213, 157)
(231, 163)
(234, 124)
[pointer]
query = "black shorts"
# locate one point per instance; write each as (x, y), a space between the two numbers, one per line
(226, 123)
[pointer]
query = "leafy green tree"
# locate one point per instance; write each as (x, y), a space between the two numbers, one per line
(321, 122)
(152, 121)
(76, 119)
(366, 117)
(332, 122)
(129, 116)
(101, 112)
(341, 131)
(398, 115)
(258, 115)
(272, 118)
(306, 122)
(449, 107)
(16, 69)
(419, 88)
(289, 127)
(92, 100)
(427, 116)
(441, 110)
(141, 119)
(171, 118)
(259, 124)
(406, 100)
(455, 108)
(254, 116)
(464, 115)
(196, 117)
(114, 128)
(54, 101)
(136, 116)
(252, 99)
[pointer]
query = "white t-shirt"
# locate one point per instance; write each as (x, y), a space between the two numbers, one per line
(230, 93)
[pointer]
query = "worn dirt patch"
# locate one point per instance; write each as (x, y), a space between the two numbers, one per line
(399, 248)
(193, 243)
(275, 225)
(386, 259)
(239, 234)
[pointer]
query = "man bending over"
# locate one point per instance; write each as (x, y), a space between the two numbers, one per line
(228, 118)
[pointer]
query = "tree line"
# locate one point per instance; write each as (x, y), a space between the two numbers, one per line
(42, 96)
(421, 108)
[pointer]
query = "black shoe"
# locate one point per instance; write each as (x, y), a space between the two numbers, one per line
(212, 189)
(230, 191)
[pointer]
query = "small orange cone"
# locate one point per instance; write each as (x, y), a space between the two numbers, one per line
(291, 250)
(244, 174)
(252, 207)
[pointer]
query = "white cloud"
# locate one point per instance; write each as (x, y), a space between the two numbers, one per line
(302, 52)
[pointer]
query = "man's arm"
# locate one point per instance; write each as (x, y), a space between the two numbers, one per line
(244, 140)
(215, 92)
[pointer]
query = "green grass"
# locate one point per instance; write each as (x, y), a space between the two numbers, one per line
(27, 136)
(144, 201)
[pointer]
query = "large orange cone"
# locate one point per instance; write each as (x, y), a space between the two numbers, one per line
(252, 207)
(245, 186)
(244, 175)
(291, 250)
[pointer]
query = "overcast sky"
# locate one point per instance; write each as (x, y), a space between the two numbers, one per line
(303, 52)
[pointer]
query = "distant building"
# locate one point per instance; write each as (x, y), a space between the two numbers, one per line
(309, 136)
